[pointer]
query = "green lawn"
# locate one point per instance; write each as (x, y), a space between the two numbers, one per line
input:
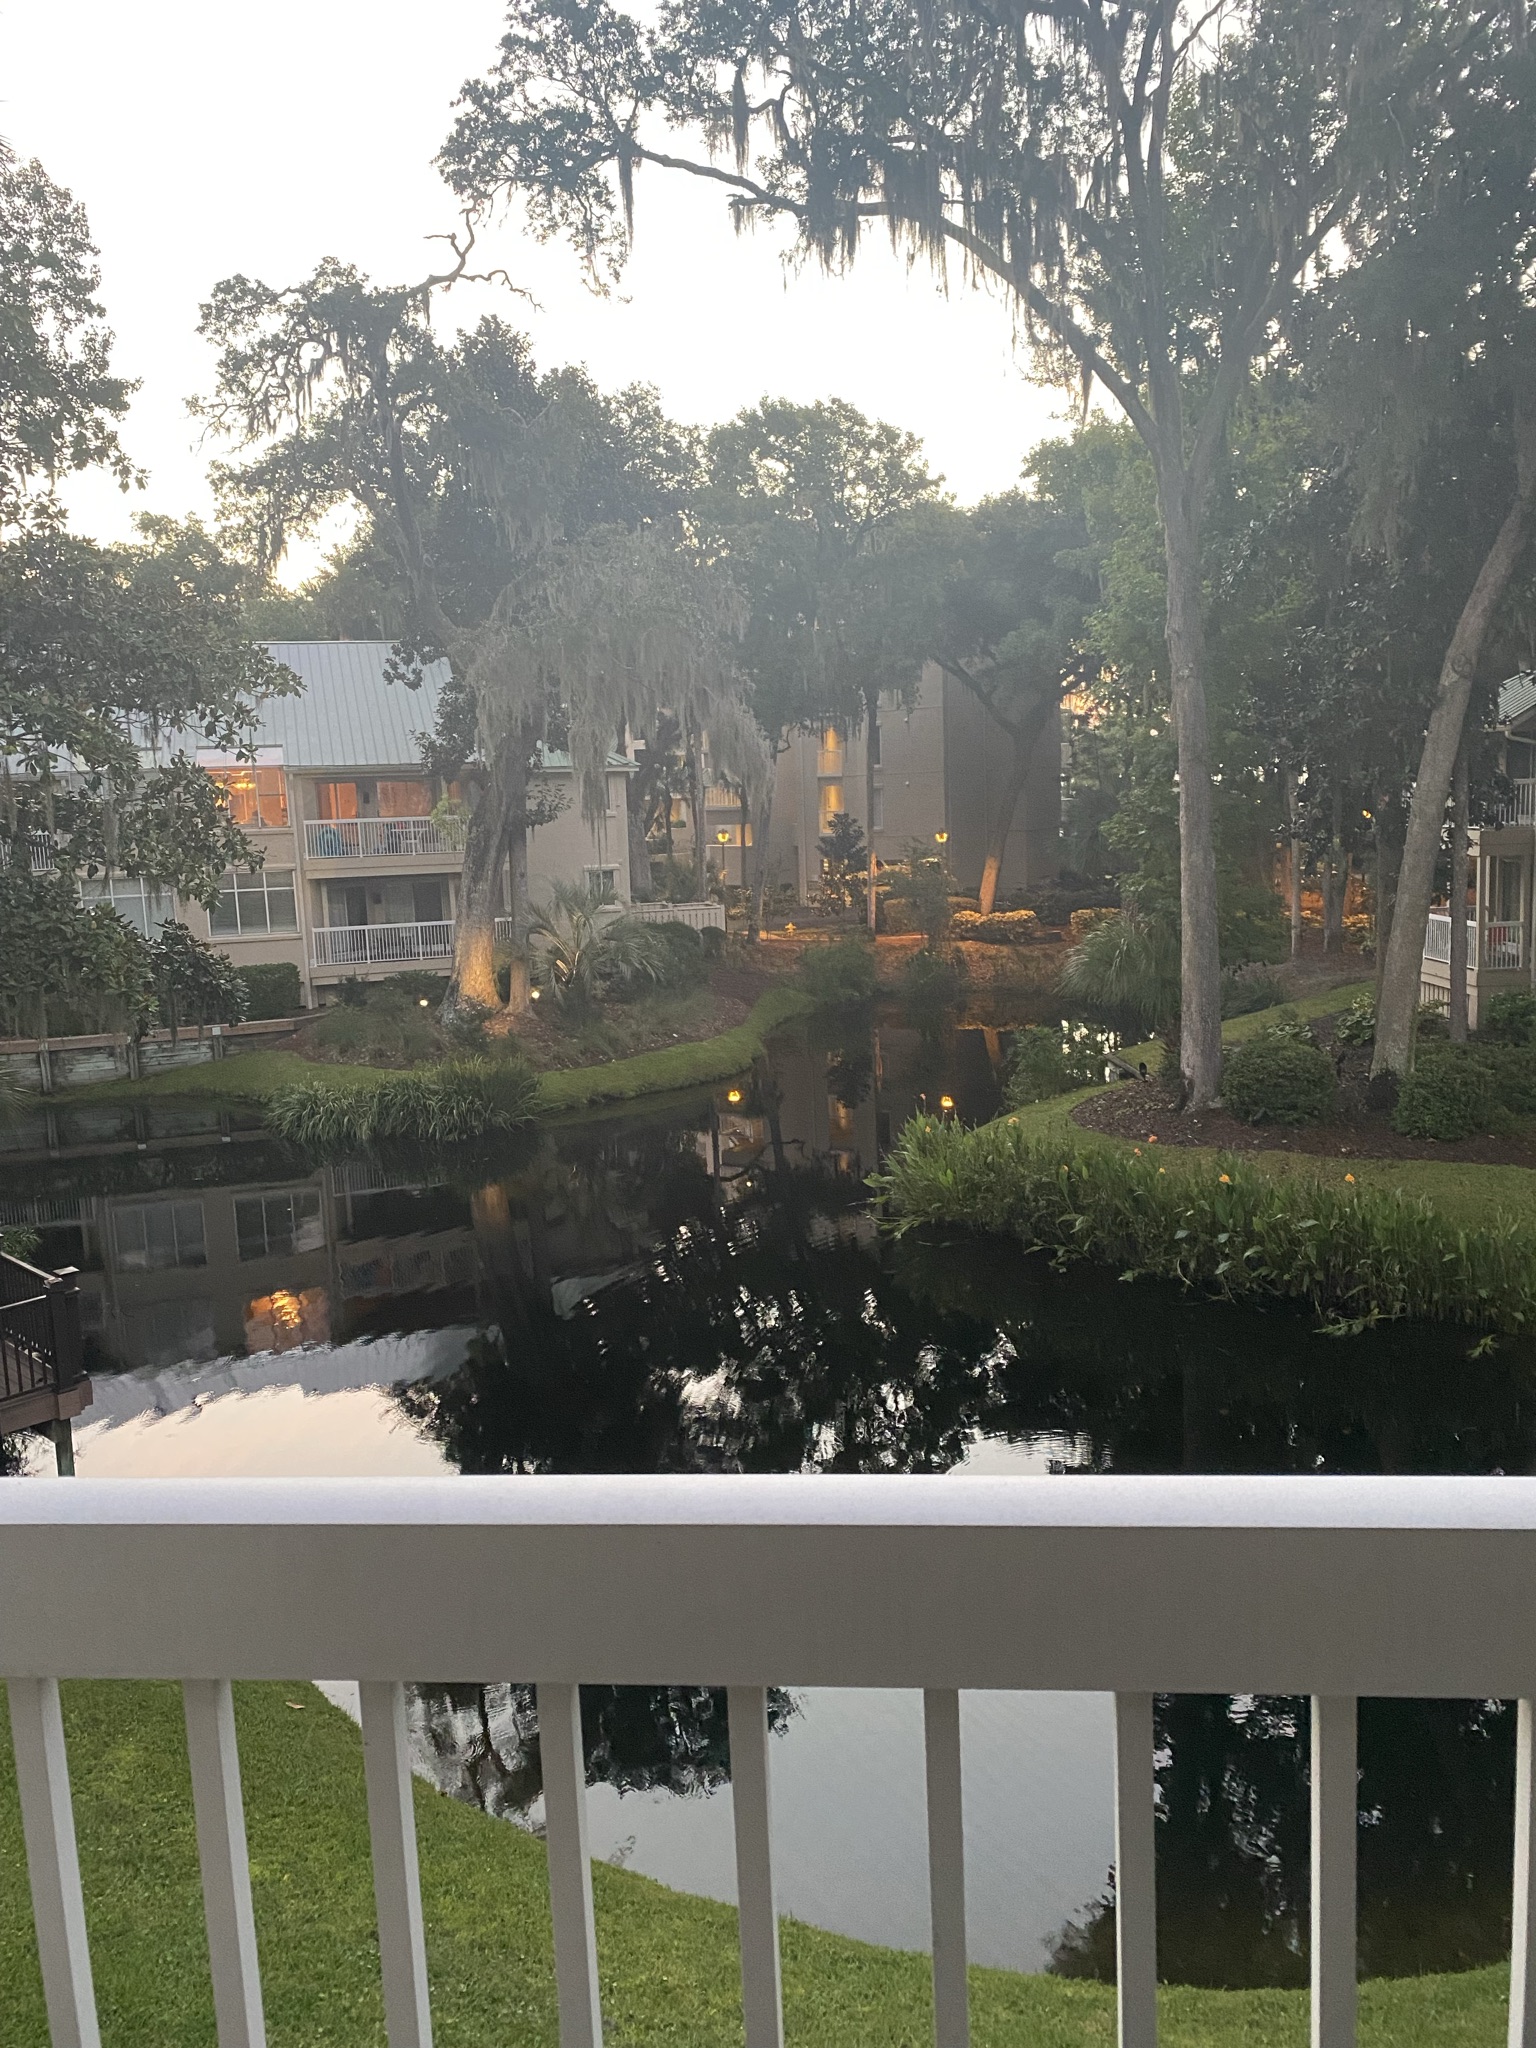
(251, 1077)
(668, 1961)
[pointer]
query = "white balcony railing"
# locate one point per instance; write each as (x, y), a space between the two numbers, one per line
(699, 917)
(42, 854)
(381, 945)
(1334, 1588)
(375, 838)
(1503, 943)
(1523, 810)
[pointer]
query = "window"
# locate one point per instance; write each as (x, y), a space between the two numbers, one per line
(877, 810)
(276, 1226)
(874, 743)
(252, 903)
(604, 878)
(255, 796)
(404, 800)
(831, 801)
(151, 1237)
(336, 799)
(135, 902)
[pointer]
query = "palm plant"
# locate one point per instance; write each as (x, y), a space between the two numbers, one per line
(1126, 971)
(581, 954)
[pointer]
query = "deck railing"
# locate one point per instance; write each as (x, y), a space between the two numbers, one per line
(381, 945)
(1333, 1588)
(1503, 942)
(41, 1349)
(699, 917)
(1522, 811)
(375, 838)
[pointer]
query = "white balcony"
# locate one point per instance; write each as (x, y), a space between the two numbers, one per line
(1503, 943)
(1523, 810)
(42, 855)
(1333, 1588)
(381, 945)
(375, 839)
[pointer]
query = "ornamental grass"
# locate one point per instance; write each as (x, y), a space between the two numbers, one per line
(1355, 1255)
(440, 1105)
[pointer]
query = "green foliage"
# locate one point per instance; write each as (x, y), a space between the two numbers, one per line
(416, 983)
(932, 983)
(1508, 1019)
(1430, 1020)
(1000, 928)
(1357, 1024)
(1047, 1061)
(1449, 1094)
(1125, 971)
(1279, 1077)
(272, 989)
(1245, 991)
(922, 886)
(682, 957)
(844, 862)
(1513, 1071)
(581, 955)
(1223, 1226)
(463, 1098)
(194, 982)
(64, 967)
(378, 1024)
(840, 974)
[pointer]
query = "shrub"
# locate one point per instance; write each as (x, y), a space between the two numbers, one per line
(1357, 1024)
(923, 892)
(382, 1027)
(1047, 1061)
(1449, 1094)
(682, 956)
(273, 989)
(468, 1098)
(1508, 1019)
(464, 1028)
(1356, 1254)
(1432, 1020)
(194, 983)
(840, 974)
(998, 928)
(1125, 970)
(1081, 922)
(1513, 1072)
(931, 985)
(414, 983)
(1280, 1078)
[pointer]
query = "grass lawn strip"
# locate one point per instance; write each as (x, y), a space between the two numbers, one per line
(668, 1961)
(250, 1078)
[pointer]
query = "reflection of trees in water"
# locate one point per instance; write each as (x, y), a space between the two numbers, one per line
(772, 1332)
(1436, 1800)
(483, 1740)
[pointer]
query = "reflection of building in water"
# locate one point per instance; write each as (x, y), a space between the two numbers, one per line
(199, 1274)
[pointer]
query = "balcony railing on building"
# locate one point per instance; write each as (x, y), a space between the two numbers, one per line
(1333, 1588)
(699, 917)
(376, 838)
(381, 945)
(42, 855)
(1522, 811)
(1503, 942)
(42, 1357)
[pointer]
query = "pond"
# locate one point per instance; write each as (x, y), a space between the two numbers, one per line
(703, 1288)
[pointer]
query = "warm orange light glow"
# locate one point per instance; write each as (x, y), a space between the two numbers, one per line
(946, 1102)
(942, 838)
(733, 1095)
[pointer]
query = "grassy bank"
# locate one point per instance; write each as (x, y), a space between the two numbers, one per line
(668, 1962)
(251, 1078)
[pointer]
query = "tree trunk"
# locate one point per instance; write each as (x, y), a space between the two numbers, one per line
(1199, 950)
(1335, 879)
(1461, 796)
(1426, 816)
(696, 808)
(636, 798)
(871, 732)
(760, 832)
(1293, 807)
(502, 810)
(1388, 862)
(1002, 824)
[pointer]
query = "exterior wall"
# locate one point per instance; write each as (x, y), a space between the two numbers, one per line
(565, 849)
(281, 848)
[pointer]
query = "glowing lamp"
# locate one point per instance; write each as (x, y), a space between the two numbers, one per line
(733, 1095)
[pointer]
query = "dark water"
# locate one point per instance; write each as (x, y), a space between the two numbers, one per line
(703, 1288)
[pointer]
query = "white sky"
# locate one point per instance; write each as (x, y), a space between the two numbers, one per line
(205, 139)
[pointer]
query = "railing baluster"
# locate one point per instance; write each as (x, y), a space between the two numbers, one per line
(396, 1878)
(762, 1998)
(220, 1812)
(53, 1863)
(570, 1865)
(1135, 1870)
(1522, 1955)
(1335, 1802)
(946, 1868)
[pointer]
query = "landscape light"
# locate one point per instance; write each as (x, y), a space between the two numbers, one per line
(946, 1102)
(424, 1002)
(723, 836)
(733, 1095)
(941, 838)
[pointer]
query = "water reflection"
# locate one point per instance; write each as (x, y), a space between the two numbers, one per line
(703, 1289)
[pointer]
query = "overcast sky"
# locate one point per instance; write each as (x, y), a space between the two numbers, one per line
(206, 139)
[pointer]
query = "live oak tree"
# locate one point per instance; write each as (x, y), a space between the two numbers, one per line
(1152, 184)
(524, 519)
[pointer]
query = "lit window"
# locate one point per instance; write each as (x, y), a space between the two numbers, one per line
(336, 799)
(254, 902)
(281, 1321)
(831, 801)
(255, 796)
(153, 1236)
(135, 902)
(277, 1226)
(404, 800)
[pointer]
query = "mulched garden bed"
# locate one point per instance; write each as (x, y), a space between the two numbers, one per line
(1141, 1110)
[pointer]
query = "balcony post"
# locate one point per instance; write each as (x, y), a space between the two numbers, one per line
(762, 1999)
(219, 1810)
(396, 1881)
(570, 1865)
(946, 1868)
(1335, 1799)
(1135, 1870)
(1522, 1957)
(53, 1862)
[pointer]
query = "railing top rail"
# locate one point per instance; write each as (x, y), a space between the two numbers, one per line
(1415, 1587)
(12, 1265)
